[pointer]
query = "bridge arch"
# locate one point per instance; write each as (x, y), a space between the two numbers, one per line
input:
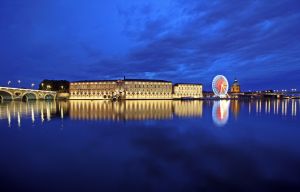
(6, 96)
(29, 96)
(49, 97)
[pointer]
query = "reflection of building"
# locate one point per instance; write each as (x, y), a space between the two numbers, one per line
(235, 107)
(187, 91)
(235, 87)
(132, 89)
(99, 110)
(188, 108)
(133, 110)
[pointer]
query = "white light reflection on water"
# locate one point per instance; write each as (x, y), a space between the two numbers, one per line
(15, 112)
(220, 112)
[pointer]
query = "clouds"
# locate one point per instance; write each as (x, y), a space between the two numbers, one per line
(219, 37)
(182, 41)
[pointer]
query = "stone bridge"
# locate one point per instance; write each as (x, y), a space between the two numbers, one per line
(9, 94)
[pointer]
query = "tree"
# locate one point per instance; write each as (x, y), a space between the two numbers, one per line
(55, 85)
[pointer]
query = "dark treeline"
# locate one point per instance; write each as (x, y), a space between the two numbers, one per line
(54, 85)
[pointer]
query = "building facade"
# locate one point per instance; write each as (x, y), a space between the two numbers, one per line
(147, 89)
(183, 90)
(133, 89)
(235, 88)
(93, 89)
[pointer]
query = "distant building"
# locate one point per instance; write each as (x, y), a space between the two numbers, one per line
(147, 89)
(105, 89)
(133, 89)
(235, 87)
(183, 90)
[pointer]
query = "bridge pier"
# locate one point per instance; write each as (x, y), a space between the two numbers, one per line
(49, 97)
(29, 97)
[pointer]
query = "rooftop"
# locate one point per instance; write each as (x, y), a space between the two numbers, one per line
(142, 80)
(148, 80)
(92, 81)
(187, 84)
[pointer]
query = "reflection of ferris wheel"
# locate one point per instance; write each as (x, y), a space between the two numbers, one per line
(220, 112)
(220, 86)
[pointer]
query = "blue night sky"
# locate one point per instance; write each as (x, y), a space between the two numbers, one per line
(179, 40)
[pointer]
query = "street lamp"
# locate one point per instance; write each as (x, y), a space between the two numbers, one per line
(19, 82)
(32, 85)
(8, 83)
(48, 87)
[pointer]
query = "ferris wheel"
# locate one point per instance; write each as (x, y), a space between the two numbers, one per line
(220, 86)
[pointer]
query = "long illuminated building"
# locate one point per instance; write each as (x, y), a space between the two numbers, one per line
(133, 89)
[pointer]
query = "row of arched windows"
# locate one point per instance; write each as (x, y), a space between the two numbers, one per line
(148, 93)
(90, 93)
(149, 86)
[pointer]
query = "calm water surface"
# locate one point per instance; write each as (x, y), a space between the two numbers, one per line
(150, 146)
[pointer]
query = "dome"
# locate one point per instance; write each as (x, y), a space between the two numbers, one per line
(236, 83)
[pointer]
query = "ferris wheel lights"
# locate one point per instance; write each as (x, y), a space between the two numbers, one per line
(220, 86)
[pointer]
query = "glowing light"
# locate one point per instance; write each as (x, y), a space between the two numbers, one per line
(220, 86)
(220, 112)
(32, 115)
(42, 116)
(8, 116)
(48, 114)
(19, 119)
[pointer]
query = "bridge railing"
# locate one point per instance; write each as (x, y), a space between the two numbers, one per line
(24, 89)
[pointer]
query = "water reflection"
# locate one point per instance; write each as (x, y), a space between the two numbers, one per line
(134, 110)
(235, 107)
(220, 112)
(99, 110)
(28, 110)
(40, 111)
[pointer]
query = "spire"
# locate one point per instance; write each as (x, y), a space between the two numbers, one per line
(235, 80)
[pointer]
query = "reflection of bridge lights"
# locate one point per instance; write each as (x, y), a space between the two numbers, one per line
(61, 113)
(260, 106)
(220, 112)
(294, 108)
(8, 116)
(249, 107)
(19, 119)
(42, 116)
(32, 115)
